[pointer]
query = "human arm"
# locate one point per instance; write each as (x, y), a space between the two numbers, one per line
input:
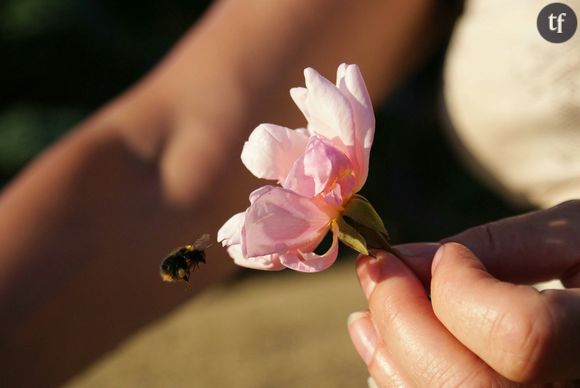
(84, 227)
(483, 325)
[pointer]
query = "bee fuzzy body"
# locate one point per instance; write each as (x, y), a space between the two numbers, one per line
(179, 264)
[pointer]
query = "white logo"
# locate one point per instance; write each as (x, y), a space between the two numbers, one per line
(559, 19)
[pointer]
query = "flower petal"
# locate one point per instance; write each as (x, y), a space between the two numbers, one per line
(351, 84)
(281, 220)
(339, 194)
(265, 263)
(300, 98)
(318, 170)
(259, 192)
(327, 110)
(310, 261)
(271, 150)
(230, 232)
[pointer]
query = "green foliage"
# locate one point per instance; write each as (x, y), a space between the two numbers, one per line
(350, 237)
(27, 130)
(23, 18)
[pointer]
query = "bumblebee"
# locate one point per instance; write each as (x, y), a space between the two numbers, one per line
(183, 261)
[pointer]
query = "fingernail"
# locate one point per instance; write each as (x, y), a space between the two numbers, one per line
(369, 271)
(371, 383)
(417, 249)
(363, 335)
(437, 258)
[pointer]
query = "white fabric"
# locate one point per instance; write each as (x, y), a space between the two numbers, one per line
(514, 100)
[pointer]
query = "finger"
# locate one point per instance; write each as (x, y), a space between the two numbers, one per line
(417, 256)
(416, 341)
(373, 352)
(532, 247)
(525, 335)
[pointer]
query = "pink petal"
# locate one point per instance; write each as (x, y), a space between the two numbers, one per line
(300, 98)
(340, 73)
(310, 261)
(343, 190)
(319, 169)
(230, 235)
(254, 195)
(327, 110)
(271, 150)
(230, 232)
(265, 263)
(281, 220)
(350, 82)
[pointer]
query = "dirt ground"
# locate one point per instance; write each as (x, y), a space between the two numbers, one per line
(264, 330)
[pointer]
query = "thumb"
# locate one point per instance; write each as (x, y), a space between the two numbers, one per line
(532, 247)
(524, 335)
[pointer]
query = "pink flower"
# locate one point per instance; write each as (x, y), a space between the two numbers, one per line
(319, 169)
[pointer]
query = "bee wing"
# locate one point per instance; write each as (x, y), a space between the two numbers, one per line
(203, 242)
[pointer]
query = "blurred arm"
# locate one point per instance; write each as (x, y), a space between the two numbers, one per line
(83, 228)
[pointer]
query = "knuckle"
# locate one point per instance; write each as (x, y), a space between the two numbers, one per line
(391, 309)
(520, 338)
(389, 306)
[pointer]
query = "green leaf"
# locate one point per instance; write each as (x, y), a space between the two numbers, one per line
(360, 210)
(351, 237)
(360, 215)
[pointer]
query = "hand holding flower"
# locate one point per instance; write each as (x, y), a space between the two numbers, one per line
(476, 330)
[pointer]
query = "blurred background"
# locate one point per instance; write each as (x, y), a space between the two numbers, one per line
(63, 59)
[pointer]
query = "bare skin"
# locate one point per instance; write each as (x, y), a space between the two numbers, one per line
(83, 228)
(481, 326)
